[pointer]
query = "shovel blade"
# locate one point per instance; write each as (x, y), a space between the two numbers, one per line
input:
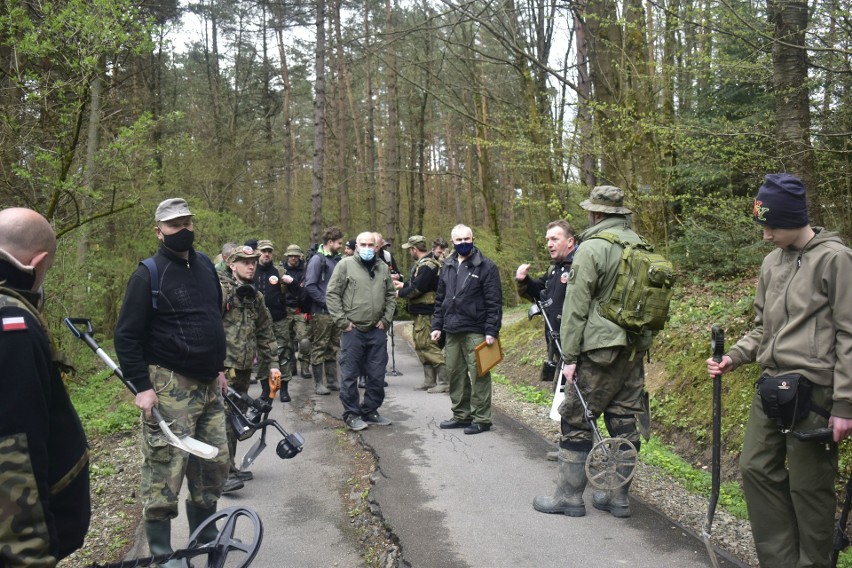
(253, 452)
(185, 443)
(713, 560)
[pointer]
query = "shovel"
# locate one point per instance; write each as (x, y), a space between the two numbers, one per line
(185, 443)
(718, 346)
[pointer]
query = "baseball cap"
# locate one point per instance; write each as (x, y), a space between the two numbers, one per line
(172, 209)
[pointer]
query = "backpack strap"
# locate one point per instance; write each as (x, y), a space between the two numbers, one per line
(155, 279)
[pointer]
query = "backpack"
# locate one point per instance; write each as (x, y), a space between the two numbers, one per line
(313, 251)
(643, 287)
(155, 275)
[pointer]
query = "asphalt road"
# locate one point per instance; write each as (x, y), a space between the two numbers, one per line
(453, 500)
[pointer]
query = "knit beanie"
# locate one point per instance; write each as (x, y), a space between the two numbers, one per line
(781, 202)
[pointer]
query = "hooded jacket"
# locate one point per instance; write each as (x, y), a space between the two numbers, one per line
(803, 317)
(472, 303)
(361, 294)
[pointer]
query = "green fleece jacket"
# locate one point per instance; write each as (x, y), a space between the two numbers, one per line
(590, 281)
(803, 317)
(360, 295)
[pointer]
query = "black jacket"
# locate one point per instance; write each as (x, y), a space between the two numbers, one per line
(295, 296)
(44, 454)
(472, 303)
(549, 289)
(268, 282)
(185, 334)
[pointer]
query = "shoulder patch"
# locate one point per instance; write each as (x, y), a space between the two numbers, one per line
(14, 324)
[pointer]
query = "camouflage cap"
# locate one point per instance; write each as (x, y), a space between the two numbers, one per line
(243, 253)
(606, 199)
(294, 250)
(172, 209)
(417, 241)
(265, 244)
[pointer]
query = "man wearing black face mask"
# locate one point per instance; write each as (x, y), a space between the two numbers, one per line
(171, 347)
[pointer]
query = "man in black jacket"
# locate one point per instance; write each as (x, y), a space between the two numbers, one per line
(549, 289)
(268, 282)
(44, 461)
(468, 311)
(174, 355)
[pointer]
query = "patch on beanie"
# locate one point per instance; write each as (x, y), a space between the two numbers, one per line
(760, 210)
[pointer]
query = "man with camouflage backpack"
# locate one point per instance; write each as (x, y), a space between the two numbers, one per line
(248, 330)
(604, 358)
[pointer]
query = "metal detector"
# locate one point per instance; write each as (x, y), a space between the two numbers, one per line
(608, 454)
(245, 425)
(393, 372)
(185, 443)
(241, 549)
(717, 344)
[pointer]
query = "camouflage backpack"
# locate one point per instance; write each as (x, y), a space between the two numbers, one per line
(643, 287)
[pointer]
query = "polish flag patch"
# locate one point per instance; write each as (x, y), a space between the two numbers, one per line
(13, 324)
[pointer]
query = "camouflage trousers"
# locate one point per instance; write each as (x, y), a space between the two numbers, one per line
(281, 329)
(612, 381)
(190, 408)
(300, 335)
(239, 380)
(325, 339)
(427, 350)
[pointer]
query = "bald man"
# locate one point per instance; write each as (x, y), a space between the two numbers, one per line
(44, 460)
(361, 300)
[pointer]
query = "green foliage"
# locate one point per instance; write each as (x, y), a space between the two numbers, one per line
(524, 392)
(104, 405)
(730, 495)
(717, 237)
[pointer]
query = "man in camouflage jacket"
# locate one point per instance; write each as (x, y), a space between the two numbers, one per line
(248, 330)
(44, 461)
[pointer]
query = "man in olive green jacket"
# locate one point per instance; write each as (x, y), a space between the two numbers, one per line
(361, 300)
(604, 359)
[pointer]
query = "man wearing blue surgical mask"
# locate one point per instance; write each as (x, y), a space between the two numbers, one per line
(468, 311)
(361, 300)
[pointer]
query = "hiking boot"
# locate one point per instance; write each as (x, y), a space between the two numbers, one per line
(568, 499)
(354, 422)
(232, 484)
(477, 428)
(453, 423)
(373, 418)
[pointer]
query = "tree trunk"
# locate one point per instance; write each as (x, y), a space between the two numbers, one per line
(319, 126)
(342, 126)
(792, 106)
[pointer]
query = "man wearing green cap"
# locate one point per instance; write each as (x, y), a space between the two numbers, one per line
(802, 340)
(248, 330)
(604, 359)
(298, 311)
(420, 293)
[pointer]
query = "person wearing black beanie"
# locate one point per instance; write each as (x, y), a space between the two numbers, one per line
(803, 343)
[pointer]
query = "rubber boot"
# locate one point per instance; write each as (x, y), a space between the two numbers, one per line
(284, 393)
(306, 371)
(159, 535)
(443, 384)
(429, 380)
(331, 380)
(196, 516)
(568, 499)
(319, 387)
(616, 501)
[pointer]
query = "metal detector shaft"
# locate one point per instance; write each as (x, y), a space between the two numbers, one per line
(186, 443)
(718, 345)
(393, 372)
